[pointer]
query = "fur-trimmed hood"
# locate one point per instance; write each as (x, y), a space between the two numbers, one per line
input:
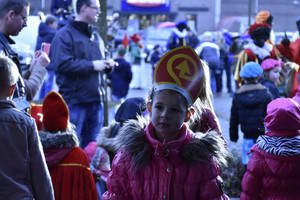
(60, 139)
(249, 87)
(140, 143)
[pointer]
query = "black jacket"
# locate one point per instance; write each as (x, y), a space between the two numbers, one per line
(5, 47)
(73, 49)
(249, 106)
(271, 86)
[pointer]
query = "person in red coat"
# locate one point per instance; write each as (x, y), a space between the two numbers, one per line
(68, 164)
(273, 169)
(257, 50)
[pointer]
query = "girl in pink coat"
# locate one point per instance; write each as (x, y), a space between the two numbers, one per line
(165, 160)
(273, 169)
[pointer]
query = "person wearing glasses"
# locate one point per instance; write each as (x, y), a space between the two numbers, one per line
(77, 54)
(13, 18)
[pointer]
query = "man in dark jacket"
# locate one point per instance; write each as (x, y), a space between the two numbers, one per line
(78, 62)
(13, 18)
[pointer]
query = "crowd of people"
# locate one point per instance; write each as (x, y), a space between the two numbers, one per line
(167, 146)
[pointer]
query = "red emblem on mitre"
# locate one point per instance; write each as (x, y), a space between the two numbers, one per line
(181, 70)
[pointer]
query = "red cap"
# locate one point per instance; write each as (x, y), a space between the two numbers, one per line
(136, 37)
(55, 112)
(125, 41)
(181, 70)
(256, 26)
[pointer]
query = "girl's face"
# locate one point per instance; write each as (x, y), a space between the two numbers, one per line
(168, 112)
(274, 74)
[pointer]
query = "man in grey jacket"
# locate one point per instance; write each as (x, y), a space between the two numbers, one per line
(23, 170)
(13, 18)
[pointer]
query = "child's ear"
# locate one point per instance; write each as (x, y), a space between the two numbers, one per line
(12, 89)
(190, 112)
(149, 108)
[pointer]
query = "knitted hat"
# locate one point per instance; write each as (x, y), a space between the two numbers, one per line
(251, 70)
(180, 70)
(130, 108)
(136, 37)
(257, 29)
(262, 16)
(283, 118)
(271, 63)
(55, 112)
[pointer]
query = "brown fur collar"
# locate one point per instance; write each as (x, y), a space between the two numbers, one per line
(249, 87)
(204, 145)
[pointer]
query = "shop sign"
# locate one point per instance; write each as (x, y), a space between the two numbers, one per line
(147, 3)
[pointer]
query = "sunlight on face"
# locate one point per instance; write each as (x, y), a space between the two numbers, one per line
(274, 74)
(168, 112)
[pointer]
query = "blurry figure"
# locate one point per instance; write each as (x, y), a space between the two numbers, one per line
(193, 40)
(113, 27)
(62, 9)
(273, 170)
(249, 105)
(46, 33)
(102, 152)
(121, 76)
(224, 64)
(291, 50)
(257, 50)
(137, 53)
(179, 36)
(155, 56)
(47, 30)
(210, 52)
(293, 81)
(99, 165)
(67, 162)
(23, 170)
(270, 76)
(265, 16)
(131, 108)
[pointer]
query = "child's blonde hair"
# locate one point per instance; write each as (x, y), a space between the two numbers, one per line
(292, 69)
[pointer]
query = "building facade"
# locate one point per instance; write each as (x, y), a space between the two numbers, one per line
(202, 14)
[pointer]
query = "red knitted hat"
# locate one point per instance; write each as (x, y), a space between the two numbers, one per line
(136, 37)
(55, 112)
(257, 26)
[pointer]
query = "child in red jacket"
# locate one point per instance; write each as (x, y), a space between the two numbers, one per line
(273, 169)
(165, 160)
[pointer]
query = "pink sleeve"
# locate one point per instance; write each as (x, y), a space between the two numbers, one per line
(117, 182)
(252, 180)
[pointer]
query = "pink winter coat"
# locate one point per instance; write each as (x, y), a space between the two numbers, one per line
(147, 169)
(273, 172)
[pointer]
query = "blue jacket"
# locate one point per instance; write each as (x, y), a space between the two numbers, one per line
(120, 78)
(73, 49)
(45, 34)
(23, 171)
